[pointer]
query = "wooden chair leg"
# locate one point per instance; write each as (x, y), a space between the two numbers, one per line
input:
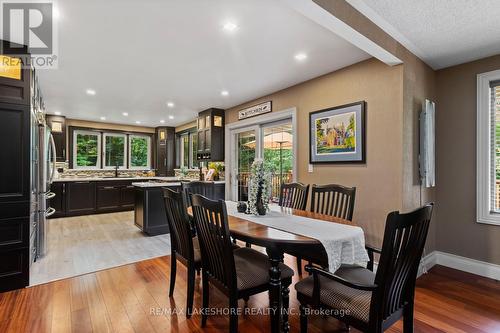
(299, 265)
(408, 319)
(303, 319)
(285, 296)
(233, 315)
(190, 292)
(173, 273)
(205, 301)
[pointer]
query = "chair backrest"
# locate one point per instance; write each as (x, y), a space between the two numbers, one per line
(294, 195)
(181, 237)
(216, 248)
(197, 187)
(334, 200)
(404, 240)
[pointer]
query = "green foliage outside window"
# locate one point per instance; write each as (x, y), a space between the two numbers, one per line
(138, 152)
(115, 146)
(86, 150)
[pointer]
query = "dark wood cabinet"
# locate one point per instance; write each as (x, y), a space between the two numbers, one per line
(57, 125)
(211, 135)
(80, 198)
(165, 151)
(58, 202)
(108, 197)
(15, 157)
(127, 194)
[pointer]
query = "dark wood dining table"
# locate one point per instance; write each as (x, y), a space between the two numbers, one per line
(278, 242)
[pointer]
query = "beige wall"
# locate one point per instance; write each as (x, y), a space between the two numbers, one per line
(458, 232)
(186, 126)
(379, 180)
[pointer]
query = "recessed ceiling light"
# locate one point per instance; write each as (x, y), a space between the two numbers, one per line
(57, 113)
(300, 56)
(170, 104)
(103, 118)
(170, 117)
(137, 122)
(91, 92)
(162, 121)
(230, 26)
(125, 114)
(224, 93)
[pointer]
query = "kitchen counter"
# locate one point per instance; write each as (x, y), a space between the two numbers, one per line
(97, 179)
(167, 183)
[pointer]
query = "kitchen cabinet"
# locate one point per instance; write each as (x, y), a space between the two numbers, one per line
(57, 125)
(80, 198)
(165, 151)
(58, 202)
(108, 197)
(127, 197)
(211, 135)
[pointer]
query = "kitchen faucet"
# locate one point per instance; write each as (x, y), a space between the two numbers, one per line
(116, 171)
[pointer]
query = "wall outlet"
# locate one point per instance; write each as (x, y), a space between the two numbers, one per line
(310, 168)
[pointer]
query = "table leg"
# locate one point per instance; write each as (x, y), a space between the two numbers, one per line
(275, 257)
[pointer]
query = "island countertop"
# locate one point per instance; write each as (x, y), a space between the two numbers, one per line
(166, 184)
(97, 179)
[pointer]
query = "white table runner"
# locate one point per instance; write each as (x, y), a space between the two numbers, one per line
(344, 244)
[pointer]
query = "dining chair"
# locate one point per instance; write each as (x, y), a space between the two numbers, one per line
(238, 273)
(294, 195)
(205, 188)
(184, 245)
(372, 302)
(334, 200)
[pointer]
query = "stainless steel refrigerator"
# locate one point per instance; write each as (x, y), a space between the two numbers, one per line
(43, 166)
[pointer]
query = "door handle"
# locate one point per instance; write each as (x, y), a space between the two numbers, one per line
(50, 195)
(53, 171)
(49, 212)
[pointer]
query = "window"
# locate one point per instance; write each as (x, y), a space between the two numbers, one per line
(86, 149)
(488, 148)
(139, 152)
(187, 145)
(93, 149)
(114, 150)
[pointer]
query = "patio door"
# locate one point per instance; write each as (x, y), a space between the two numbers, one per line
(273, 142)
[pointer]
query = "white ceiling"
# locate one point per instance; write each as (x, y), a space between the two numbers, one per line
(137, 55)
(443, 33)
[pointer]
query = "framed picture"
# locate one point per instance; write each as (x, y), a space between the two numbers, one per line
(337, 135)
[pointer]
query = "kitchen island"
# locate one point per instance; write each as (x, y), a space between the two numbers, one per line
(149, 213)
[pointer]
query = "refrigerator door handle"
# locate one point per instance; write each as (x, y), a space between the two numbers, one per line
(50, 195)
(50, 212)
(53, 171)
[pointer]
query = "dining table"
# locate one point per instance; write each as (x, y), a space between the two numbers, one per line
(277, 242)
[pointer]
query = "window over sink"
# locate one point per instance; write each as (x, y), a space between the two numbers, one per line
(102, 149)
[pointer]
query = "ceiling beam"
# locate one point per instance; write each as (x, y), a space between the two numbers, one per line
(329, 21)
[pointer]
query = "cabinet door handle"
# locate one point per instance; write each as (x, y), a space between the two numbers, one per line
(108, 187)
(131, 186)
(82, 182)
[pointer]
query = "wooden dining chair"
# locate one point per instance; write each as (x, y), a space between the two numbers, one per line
(184, 247)
(294, 195)
(334, 200)
(198, 187)
(367, 301)
(238, 272)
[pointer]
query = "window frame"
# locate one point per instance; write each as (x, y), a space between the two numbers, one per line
(485, 213)
(105, 134)
(75, 152)
(148, 138)
(190, 133)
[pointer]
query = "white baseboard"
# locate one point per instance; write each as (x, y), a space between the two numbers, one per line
(473, 266)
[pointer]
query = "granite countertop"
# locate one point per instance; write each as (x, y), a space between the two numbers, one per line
(96, 179)
(166, 184)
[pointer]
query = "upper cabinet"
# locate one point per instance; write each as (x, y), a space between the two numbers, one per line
(165, 151)
(15, 78)
(57, 125)
(211, 135)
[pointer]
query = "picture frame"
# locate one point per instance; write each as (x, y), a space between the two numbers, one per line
(338, 134)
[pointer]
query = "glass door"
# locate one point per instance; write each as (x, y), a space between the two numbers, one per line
(246, 148)
(277, 146)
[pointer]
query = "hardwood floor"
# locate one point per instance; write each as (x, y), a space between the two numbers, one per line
(134, 298)
(85, 244)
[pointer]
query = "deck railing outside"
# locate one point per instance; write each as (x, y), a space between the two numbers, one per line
(275, 184)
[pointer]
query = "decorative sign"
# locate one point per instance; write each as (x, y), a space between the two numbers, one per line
(255, 110)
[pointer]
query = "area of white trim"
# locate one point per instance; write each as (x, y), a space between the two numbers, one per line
(373, 16)
(326, 19)
(464, 264)
(483, 149)
(232, 128)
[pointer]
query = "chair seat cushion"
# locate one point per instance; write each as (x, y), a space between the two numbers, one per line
(252, 268)
(355, 302)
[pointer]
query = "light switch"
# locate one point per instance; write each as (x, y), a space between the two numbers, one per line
(310, 168)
